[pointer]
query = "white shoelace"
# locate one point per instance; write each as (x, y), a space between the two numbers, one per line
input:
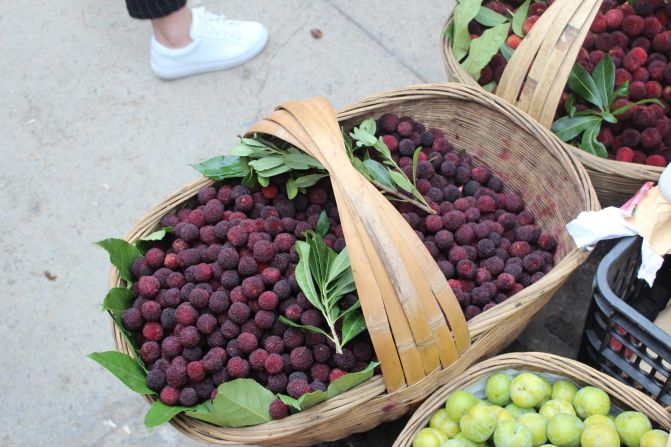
(217, 25)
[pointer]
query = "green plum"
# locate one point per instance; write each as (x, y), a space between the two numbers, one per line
(599, 435)
(468, 443)
(458, 403)
(599, 419)
(527, 390)
(654, 438)
(564, 390)
(497, 389)
(548, 392)
(457, 443)
(537, 425)
(564, 430)
(631, 426)
(516, 411)
(429, 437)
(511, 433)
(441, 421)
(591, 400)
(553, 407)
(479, 423)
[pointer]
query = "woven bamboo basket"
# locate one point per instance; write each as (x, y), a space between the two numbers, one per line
(622, 396)
(525, 155)
(534, 80)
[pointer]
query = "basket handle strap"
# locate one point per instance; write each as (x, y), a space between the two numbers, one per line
(401, 290)
(539, 69)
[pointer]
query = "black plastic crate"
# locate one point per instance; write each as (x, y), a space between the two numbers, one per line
(620, 337)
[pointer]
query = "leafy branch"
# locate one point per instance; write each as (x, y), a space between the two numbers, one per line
(257, 160)
(325, 277)
(598, 89)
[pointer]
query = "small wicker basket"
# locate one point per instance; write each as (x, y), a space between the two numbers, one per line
(535, 78)
(623, 396)
(525, 155)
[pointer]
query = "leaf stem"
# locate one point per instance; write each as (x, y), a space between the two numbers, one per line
(402, 197)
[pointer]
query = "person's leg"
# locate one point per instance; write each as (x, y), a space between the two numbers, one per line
(172, 31)
(186, 42)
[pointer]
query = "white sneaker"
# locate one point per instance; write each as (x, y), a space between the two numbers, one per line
(218, 44)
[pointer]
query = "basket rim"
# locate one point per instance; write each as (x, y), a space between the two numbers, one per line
(373, 389)
(635, 171)
(533, 361)
(603, 285)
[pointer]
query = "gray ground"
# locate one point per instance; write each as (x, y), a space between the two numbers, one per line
(90, 140)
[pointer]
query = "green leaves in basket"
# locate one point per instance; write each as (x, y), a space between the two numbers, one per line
(160, 413)
(125, 368)
(325, 276)
(239, 403)
(122, 254)
(339, 386)
(464, 12)
(145, 243)
(484, 48)
(222, 167)
(519, 16)
(598, 89)
(118, 298)
(385, 174)
(488, 17)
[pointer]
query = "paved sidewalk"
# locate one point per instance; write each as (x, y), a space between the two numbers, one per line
(90, 140)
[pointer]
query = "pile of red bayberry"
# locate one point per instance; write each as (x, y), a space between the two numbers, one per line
(210, 296)
(638, 39)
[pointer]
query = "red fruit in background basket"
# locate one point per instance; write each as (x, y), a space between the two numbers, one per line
(497, 7)
(603, 42)
(605, 137)
(640, 75)
(595, 56)
(536, 9)
(656, 160)
(278, 409)
(624, 154)
(632, 25)
(622, 76)
(391, 142)
(637, 90)
(656, 70)
(651, 27)
(614, 18)
(653, 89)
(588, 43)
(599, 24)
(662, 42)
(645, 7)
(529, 23)
(514, 41)
(639, 157)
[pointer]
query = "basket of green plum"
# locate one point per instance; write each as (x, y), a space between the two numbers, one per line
(536, 400)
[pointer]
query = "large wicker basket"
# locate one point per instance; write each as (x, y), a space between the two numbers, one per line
(623, 396)
(528, 158)
(536, 76)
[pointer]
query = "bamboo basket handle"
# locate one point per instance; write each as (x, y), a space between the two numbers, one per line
(540, 67)
(402, 292)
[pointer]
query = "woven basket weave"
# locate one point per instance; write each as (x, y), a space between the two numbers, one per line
(534, 80)
(622, 396)
(528, 158)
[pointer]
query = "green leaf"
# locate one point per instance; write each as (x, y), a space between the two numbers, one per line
(449, 31)
(281, 169)
(144, 243)
(309, 400)
(378, 173)
(401, 180)
(352, 325)
(244, 150)
(382, 149)
(608, 117)
(304, 276)
(604, 77)
(519, 16)
(290, 402)
(484, 48)
(263, 181)
(305, 327)
(116, 317)
(621, 92)
(308, 180)
(323, 224)
(292, 189)
(250, 178)
(506, 51)
(350, 380)
(620, 110)
(581, 83)
(415, 161)
(589, 142)
(302, 161)
(570, 105)
(241, 403)
(464, 12)
(160, 413)
(125, 368)
(118, 298)
(221, 167)
(489, 18)
(490, 87)
(368, 126)
(266, 164)
(339, 265)
(122, 254)
(567, 128)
